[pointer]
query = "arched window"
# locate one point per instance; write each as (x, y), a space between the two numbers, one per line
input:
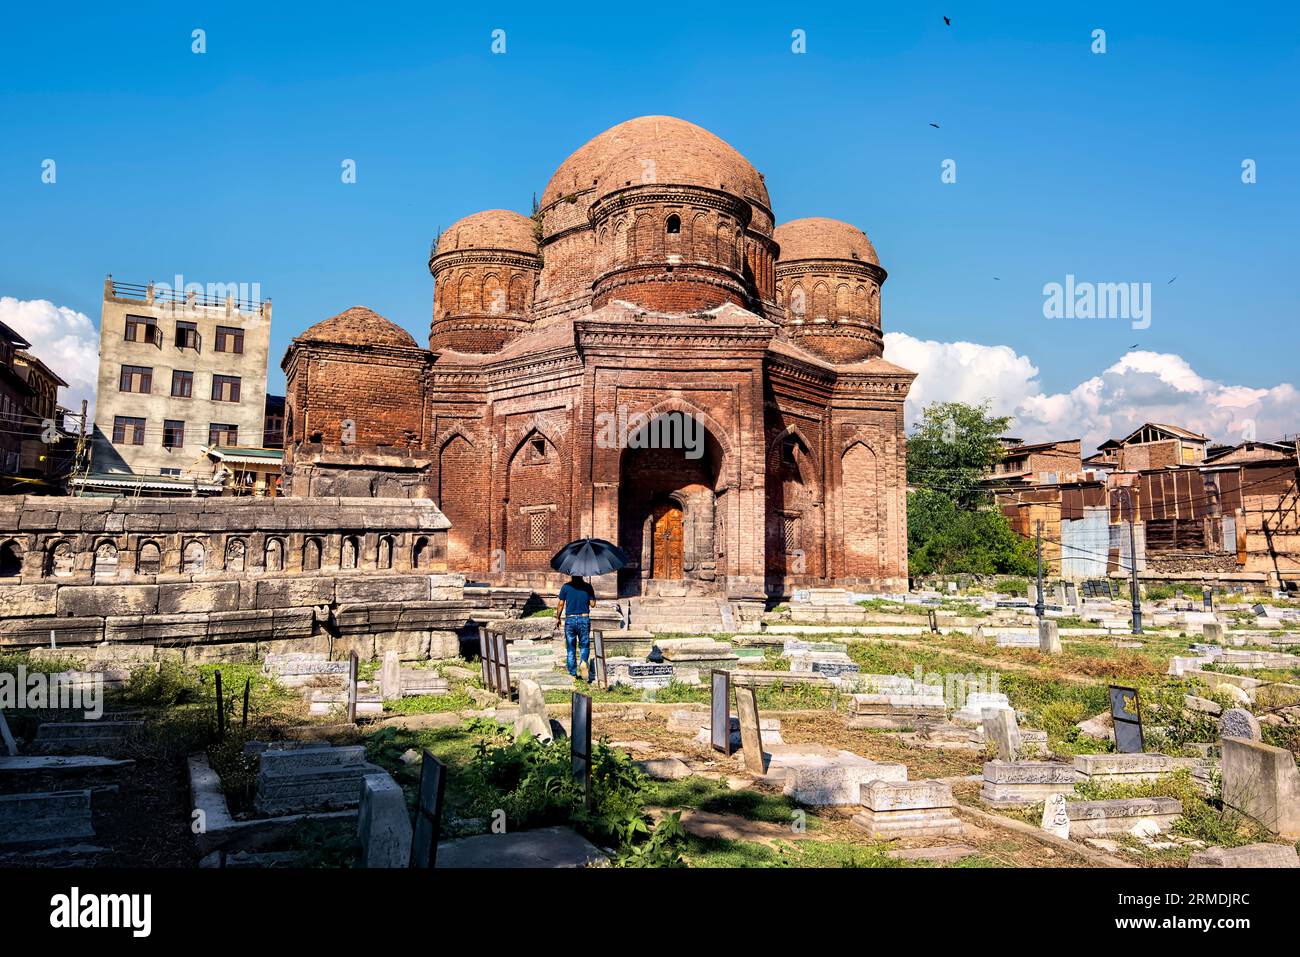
(386, 552)
(419, 553)
(674, 225)
(106, 560)
(11, 560)
(236, 554)
(274, 555)
(194, 558)
(149, 559)
(351, 554)
(311, 555)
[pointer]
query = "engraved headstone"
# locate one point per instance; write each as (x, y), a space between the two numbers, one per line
(428, 812)
(1056, 819)
(390, 678)
(751, 738)
(720, 712)
(1239, 723)
(1126, 712)
(1001, 729)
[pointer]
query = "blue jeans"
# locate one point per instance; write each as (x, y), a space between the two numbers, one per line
(576, 630)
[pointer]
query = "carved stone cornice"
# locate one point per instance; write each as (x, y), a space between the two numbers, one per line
(485, 256)
(822, 267)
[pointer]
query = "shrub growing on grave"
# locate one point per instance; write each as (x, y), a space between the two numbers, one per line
(171, 684)
(532, 782)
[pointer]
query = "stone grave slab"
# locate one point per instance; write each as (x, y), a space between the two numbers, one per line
(45, 817)
(541, 848)
(1128, 768)
(1248, 855)
(908, 809)
(972, 709)
(291, 781)
(1105, 818)
(1009, 784)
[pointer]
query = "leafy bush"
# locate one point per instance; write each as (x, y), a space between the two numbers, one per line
(171, 684)
(532, 782)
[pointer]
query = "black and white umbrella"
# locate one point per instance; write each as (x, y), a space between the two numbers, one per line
(589, 556)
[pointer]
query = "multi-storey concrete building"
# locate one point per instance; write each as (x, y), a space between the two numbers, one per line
(178, 371)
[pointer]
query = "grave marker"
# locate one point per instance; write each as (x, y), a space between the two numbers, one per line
(10, 745)
(221, 710)
(428, 812)
(598, 658)
(248, 686)
(720, 712)
(485, 657)
(751, 736)
(580, 742)
(352, 688)
(501, 659)
(1126, 712)
(1056, 818)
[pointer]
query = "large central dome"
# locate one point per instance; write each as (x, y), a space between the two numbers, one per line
(661, 149)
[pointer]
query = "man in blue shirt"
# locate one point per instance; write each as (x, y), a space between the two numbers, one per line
(576, 599)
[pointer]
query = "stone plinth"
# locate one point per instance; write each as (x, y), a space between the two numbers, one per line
(45, 817)
(1010, 784)
(911, 809)
(1129, 768)
(1103, 818)
(1262, 782)
(1248, 855)
(310, 779)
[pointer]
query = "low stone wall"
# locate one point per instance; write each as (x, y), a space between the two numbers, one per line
(229, 578)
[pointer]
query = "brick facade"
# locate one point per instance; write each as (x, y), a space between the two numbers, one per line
(650, 291)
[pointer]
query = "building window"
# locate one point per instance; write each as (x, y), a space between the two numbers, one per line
(128, 430)
(136, 379)
(223, 434)
(225, 388)
(230, 339)
(11, 560)
(182, 385)
(187, 335)
(141, 329)
(173, 473)
(149, 561)
(173, 434)
(790, 453)
(791, 533)
(674, 224)
(538, 529)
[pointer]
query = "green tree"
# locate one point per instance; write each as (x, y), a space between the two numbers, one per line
(952, 524)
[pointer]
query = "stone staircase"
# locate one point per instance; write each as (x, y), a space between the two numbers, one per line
(686, 615)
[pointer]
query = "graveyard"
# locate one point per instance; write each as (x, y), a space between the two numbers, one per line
(946, 728)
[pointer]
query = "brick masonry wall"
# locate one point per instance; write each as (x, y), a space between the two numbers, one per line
(229, 577)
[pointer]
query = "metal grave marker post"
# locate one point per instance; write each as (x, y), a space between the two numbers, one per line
(751, 737)
(720, 712)
(428, 812)
(485, 657)
(352, 688)
(501, 659)
(1126, 713)
(580, 742)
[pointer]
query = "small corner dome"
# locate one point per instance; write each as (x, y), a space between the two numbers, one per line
(818, 238)
(490, 229)
(360, 326)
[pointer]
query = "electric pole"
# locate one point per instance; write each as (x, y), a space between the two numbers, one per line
(1127, 497)
(1038, 605)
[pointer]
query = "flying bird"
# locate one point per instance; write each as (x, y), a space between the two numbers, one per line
(935, 125)
(947, 22)
(1170, 281)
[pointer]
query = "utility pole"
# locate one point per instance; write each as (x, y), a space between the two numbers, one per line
(1038, 605)
(1127, 497)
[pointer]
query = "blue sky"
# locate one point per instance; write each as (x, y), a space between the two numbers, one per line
(1115, 167)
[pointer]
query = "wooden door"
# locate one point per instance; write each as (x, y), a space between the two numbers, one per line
(668, 542)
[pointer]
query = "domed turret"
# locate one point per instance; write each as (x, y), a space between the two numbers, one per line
(359, 326)
(484, 269)
(828, 281)
(660, 211)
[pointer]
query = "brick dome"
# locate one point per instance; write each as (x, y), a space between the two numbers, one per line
(818, 238)
(490, 229)
(682, 154)
(360, 326)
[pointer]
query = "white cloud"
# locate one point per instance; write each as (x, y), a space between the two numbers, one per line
(1140, 387)
(62, 338)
